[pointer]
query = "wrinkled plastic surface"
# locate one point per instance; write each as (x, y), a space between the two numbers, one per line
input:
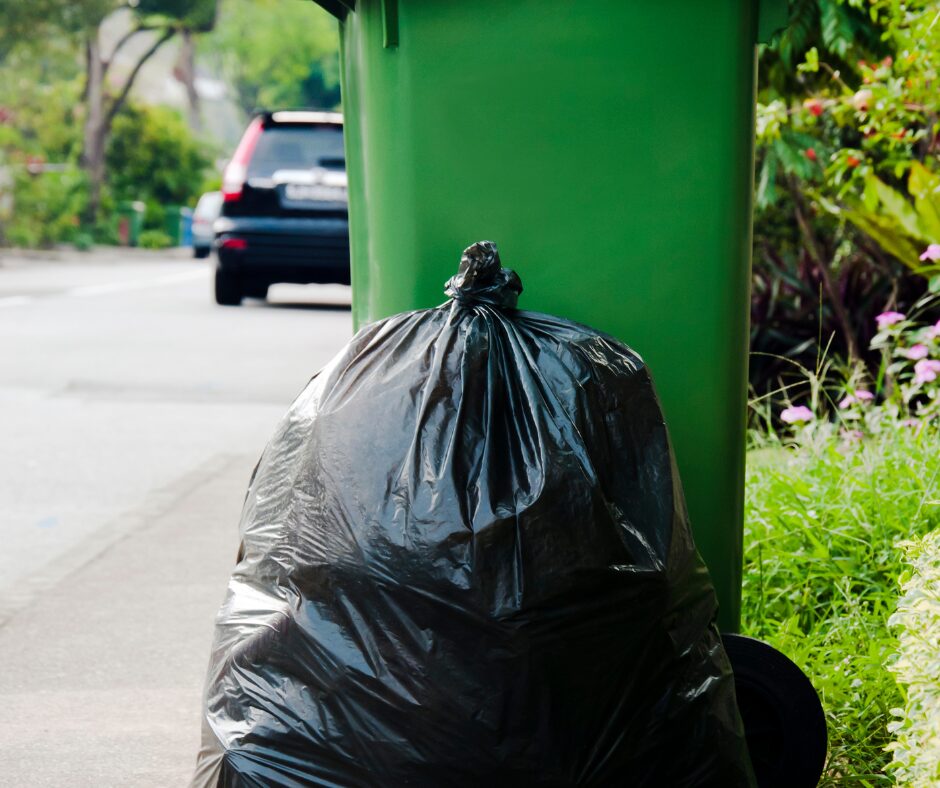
(466, 561)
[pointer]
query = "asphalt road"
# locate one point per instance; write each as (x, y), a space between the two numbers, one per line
(133, 410)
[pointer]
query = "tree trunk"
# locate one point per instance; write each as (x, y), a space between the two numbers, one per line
(185, 72)
(95, 132)
(100, 108)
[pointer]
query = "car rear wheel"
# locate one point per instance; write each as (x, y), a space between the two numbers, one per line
(257, 291)
(227, 289)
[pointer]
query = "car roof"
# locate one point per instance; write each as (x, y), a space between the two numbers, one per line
(297, 116)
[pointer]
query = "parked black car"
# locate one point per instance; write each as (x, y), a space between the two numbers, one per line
(284, 209)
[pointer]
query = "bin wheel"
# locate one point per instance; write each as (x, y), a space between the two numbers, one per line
(227, 289)
(784, 721)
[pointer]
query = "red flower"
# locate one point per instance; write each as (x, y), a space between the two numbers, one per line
(814, 106)
(852, 161)
(810, 154)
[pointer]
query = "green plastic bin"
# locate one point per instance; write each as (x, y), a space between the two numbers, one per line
(130, 221)
(607, 147)
(173, 224)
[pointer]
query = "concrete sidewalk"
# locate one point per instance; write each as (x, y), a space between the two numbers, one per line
(103, 666)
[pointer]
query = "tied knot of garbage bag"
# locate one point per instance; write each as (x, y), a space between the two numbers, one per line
(482, 280)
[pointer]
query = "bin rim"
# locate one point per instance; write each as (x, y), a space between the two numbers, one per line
(773, 15)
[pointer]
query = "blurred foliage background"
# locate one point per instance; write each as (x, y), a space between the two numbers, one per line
(104, 102)
(847, 184)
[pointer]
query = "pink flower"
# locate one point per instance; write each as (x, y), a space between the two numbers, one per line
(934, 331)
(932, 252)
(916, 352)
(926, 370)
(798, 414)
(853, 435)
(856, 399)
(886, 319)
(911, 423)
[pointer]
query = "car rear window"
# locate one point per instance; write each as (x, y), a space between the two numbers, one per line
(297, 148)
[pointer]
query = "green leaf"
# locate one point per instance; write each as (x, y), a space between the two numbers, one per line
(870, 195)
(883, 229)
(924, 186)
(811, 64)
(837, 29)
(766, 194)
(792, 157)
(895, 204)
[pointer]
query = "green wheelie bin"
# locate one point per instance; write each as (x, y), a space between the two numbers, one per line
(607, 147)
(130, 221)
(173, 224)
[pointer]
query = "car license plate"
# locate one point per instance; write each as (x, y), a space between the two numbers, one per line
(314, 192)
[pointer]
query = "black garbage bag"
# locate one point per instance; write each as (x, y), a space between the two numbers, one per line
(466, 562)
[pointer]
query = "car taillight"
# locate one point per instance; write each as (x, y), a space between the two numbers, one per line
(233, 179)
(236, 244)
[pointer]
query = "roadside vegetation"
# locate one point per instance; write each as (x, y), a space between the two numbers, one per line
(839, 497)
(78, 141)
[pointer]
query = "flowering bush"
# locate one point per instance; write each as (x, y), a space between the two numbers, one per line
(829, 520)
(831, 500)
(906, 391)
(916, 747)
(911, 367)
(848, 173)
(824, 518)
(867, 135)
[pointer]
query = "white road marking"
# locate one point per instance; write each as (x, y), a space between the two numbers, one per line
(87, 291)
(122, 287)
(15, 301)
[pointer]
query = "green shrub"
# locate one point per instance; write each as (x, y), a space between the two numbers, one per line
(154, 239)
(154, 215)
(46, 208)
(154, 157)
(821, 570)
(106, 232)
(829, 502)
(83, 241)
(916, 747)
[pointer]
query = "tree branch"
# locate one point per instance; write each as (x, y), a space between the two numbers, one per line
(87, 71)
(123, 40)
(118, 102)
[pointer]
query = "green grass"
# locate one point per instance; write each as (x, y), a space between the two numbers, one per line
(822, 562)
